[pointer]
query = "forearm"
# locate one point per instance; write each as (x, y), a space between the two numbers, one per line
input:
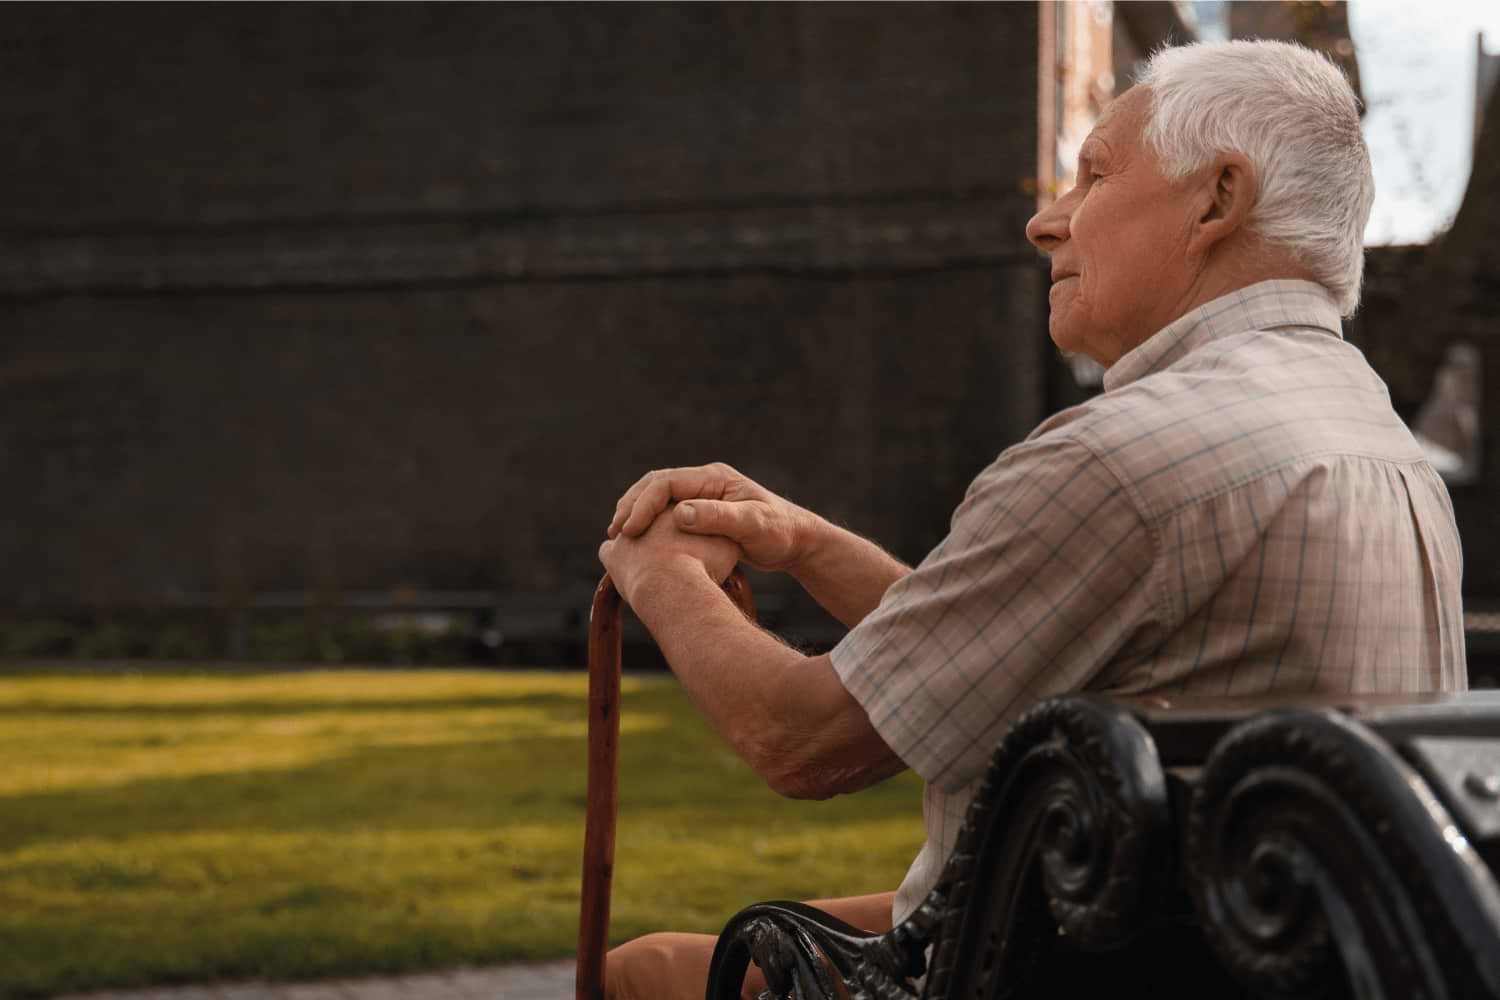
(784, 714)
(846, 574)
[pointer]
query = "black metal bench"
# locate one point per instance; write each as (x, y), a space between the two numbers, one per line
(1342, 847)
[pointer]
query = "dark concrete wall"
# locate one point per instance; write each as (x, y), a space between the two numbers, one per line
(360, 297)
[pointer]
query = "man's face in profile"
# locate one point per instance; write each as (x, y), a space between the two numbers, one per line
(1116, 240)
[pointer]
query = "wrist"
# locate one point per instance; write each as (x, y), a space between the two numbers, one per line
(810, 539)
(659, 581)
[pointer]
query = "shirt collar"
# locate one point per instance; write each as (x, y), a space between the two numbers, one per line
(1262, 306)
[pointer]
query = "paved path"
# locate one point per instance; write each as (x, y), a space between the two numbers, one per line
(545, 981)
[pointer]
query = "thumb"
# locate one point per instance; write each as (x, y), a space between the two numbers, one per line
(713, 517)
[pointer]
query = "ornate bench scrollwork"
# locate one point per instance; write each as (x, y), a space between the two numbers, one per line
(1065, 831)
(1315, 854)
(1211, 848)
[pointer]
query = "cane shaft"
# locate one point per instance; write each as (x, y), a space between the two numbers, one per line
(603, 787)
(738, 589)
(604, 777)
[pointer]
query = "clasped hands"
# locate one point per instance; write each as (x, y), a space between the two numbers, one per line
(717, 517)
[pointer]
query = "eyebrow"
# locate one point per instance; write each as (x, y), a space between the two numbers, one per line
(1095, 147)
(1088, 153)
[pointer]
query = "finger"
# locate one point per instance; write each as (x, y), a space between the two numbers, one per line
(626, 502)
(665, 487)
(653, 498)
(736, 520)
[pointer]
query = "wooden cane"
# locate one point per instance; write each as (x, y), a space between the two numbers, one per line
(604, 777)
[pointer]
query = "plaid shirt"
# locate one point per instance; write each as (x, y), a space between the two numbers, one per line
(1241, 511)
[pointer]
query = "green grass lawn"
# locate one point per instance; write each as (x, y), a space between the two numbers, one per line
(171, 828)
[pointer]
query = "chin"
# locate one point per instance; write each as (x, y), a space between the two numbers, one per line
(1064, 339)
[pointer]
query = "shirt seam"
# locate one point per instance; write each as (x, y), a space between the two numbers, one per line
(1263, 473)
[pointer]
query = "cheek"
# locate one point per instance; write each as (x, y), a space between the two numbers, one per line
(1110, 271)
(1086, 242)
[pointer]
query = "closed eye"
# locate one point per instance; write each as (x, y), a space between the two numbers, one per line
(1089, 161)
(1088, 171)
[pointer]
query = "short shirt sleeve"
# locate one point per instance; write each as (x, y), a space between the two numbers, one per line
(1047, 573)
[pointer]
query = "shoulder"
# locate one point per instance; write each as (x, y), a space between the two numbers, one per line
(1054, 461)
(1053, 492)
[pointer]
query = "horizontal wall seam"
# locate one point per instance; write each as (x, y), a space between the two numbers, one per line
(905, 237)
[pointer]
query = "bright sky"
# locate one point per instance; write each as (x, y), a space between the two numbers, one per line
(1416, 64)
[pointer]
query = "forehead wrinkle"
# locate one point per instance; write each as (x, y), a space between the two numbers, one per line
(1111, 111)
(1119, 118)
(1118, 139)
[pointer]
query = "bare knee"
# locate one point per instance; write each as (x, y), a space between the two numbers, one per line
(631, 969)
(665, 966)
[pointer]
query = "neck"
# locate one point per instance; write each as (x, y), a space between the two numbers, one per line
(1246, 261)
(1243, 260)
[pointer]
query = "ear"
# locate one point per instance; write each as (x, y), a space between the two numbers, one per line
(1228, 190)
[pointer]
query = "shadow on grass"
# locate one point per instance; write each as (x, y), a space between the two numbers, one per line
(234, 669)
(671, 766)
(146, 710)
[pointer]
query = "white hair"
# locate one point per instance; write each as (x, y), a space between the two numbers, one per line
(1293, 114)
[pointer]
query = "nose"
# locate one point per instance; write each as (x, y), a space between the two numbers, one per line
(1048, 229)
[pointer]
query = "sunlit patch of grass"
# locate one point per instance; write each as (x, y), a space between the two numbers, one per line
(161, 829)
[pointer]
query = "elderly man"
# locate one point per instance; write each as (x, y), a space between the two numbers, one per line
(1239, 512)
